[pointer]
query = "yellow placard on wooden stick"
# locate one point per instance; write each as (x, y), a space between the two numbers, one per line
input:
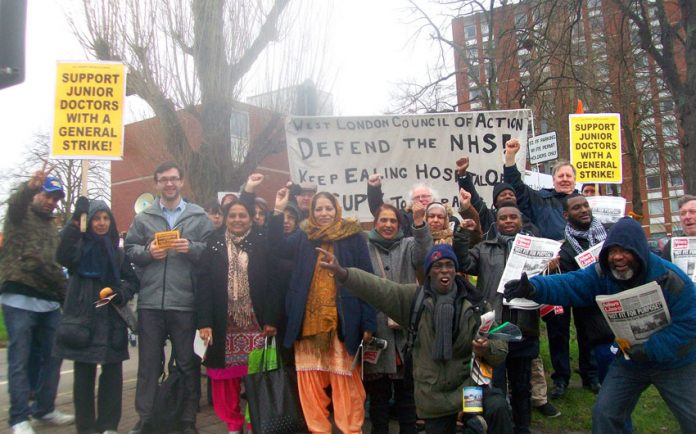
(595, 147)
(165, 240)
(88, 112)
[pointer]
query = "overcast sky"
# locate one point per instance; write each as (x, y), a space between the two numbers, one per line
(369, 38)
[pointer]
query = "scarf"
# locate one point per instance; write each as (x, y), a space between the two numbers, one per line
(99, 260)
(321, 317)
(443, 321)
(337, 230)
(443, 236)
(595, 234)
(239, 306)
(374, 237)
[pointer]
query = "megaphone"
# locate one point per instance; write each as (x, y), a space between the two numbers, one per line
(143, 201)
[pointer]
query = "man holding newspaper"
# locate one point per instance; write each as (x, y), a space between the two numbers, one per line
(655, 324)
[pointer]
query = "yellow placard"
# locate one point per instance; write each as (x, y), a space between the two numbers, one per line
(595, 147)
(166, 239)
(88, 112)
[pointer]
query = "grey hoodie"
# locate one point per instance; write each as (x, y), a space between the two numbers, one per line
(167, 284)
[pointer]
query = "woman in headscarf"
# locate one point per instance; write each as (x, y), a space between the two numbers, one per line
(235, 307)
(91, 335)
(325, 322)
(396, 258)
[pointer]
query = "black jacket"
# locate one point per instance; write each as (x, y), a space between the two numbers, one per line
(487, 261)
(211, 294)
(88, 334)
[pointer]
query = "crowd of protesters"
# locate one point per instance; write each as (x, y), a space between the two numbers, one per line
(420, 279)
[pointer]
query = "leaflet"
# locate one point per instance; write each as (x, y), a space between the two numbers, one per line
(529, 255)
(589, 256)
(607, 209)
(635, 314)
(684, 255)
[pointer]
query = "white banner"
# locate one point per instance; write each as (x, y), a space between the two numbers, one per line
(340, 153)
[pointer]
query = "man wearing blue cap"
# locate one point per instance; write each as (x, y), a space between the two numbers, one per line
(33, 288)
(442, 352)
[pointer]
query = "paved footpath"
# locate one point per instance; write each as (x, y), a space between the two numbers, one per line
(207, 422)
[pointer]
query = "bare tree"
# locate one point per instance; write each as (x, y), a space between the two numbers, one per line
(666, 33)
(68, 171)
(197, 56)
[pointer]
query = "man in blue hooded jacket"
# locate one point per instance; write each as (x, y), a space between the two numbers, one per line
(666, 360)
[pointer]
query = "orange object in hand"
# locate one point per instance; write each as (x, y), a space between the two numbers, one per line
(105, 293)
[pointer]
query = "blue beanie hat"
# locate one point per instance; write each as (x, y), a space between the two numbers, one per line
(439, 251)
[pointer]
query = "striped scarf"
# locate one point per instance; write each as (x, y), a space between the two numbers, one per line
(595, 235)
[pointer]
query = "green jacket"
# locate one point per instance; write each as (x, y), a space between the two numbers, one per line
(28, 254)
(437, 384)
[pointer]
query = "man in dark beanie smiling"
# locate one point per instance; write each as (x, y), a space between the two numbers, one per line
(445, 338)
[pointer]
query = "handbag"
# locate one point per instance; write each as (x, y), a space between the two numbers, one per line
(273, 399)
(169, 398)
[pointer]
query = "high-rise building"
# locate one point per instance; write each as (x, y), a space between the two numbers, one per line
(546, 55)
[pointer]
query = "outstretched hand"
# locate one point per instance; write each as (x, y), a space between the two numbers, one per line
(329, 262)
(519, 288)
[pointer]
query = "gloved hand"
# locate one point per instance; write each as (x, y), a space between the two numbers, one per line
(81, 207)
(637, 353)
(519, 288)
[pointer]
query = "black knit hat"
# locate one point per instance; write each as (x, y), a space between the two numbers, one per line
(499, 188)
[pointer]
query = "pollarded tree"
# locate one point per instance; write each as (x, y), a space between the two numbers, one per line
(667, 33)
(197, 56)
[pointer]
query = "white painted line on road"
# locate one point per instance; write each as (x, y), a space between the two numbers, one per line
(70, 371)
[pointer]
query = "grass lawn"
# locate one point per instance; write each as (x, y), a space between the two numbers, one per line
(3, 332)
(650, 416)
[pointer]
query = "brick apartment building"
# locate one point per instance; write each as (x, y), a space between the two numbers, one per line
(609, 75)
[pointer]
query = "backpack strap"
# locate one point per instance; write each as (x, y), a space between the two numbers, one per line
(416, 313)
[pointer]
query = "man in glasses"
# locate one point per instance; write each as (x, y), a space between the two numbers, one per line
(166, 299)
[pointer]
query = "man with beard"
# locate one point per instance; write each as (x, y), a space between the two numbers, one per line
(442, 352)
(166, 299)
(581, 232)
(487, 261)
(32, 291)
(666, 360)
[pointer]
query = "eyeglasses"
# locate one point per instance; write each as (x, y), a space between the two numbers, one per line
(422, 196)
(168, 179)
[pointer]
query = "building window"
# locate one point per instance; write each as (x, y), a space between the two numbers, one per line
(669, 127)
(656, 207)
(470, 32)
(654, 182)
(675, 179)
(666, 105)
(651, 158)
(673, 205)
(239, 135)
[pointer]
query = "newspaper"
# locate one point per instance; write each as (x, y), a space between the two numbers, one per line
(607, 209)
(635, 314)
(529, 255)
(589, 256)
(684, 255)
